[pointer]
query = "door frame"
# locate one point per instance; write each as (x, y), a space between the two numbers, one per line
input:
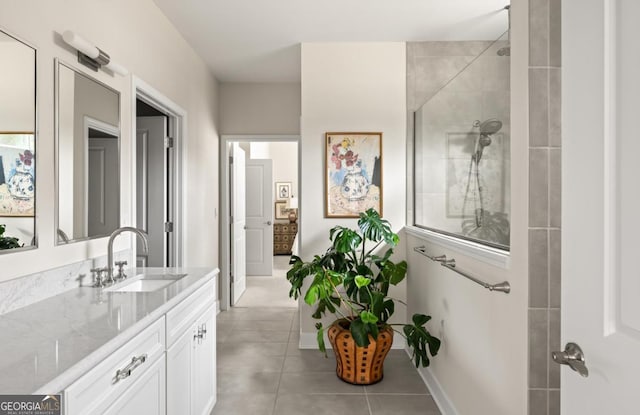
(177, 128)
(225, 220)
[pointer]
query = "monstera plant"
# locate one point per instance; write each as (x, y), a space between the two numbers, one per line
(8, 242)
(351, 281)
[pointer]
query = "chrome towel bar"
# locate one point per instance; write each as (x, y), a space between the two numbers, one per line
(502, 287)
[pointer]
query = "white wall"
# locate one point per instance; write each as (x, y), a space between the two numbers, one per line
(260, 108)
(285, 163)
(138, 36)
(350, 87)
(482, 365)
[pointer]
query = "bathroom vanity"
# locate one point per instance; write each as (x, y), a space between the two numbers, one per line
(145, 345)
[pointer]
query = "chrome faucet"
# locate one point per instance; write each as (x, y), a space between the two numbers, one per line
(141, 234)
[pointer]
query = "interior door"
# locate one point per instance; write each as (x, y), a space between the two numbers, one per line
(238, 224)
(259, 217)
(601, 203)
(151, 189)
(102, 209)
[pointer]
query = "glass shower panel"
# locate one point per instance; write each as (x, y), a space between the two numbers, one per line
(462, 152)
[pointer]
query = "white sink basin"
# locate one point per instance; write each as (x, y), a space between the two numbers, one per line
(160, 276)
(141, 285)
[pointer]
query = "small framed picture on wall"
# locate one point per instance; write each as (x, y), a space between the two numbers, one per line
(281, 210)
(283, 190)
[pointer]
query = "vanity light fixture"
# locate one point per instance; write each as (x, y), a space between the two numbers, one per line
(92, 56)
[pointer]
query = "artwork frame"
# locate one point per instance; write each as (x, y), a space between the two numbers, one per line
(281, 211)
(353, 173)
(283, 190)
(17, 174)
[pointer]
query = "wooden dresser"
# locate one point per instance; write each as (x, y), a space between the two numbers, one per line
(283, 236)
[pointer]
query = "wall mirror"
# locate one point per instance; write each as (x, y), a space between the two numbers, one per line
(17, 144)
(87, 156)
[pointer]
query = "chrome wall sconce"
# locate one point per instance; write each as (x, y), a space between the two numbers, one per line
(92, 56)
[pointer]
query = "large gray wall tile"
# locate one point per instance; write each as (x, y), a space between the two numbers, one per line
(538, 188)
(555, 268)
(538, 341)
(538, 107)
(555, 107)
(555, 187)
(555, 33)
(538, 402)
(554, 344)
(554, 402)
(539, 33)
(538, 268)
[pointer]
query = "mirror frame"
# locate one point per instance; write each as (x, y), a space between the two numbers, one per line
(36, 133)
(56, 121)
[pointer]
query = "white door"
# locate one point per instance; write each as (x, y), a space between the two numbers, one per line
(601, 204)
(102, 207)
(147, 395)
(260, 210)
(238, 239)
(204, 396)
(180, 366)
(151, 188)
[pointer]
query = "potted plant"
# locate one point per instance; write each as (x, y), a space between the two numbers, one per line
(351, 281)
(8, 242)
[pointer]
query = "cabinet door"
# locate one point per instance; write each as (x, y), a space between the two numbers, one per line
(205, 365)
(146, 396)
(180, 364)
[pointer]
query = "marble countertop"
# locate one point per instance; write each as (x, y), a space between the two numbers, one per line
(45, 346)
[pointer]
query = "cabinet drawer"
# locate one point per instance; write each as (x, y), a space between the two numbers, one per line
(95, 390)
(184, 314)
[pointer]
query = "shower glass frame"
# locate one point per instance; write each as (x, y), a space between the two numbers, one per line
(480, 221)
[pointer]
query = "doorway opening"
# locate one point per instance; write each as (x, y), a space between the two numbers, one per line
(158, 129)
(259, 182)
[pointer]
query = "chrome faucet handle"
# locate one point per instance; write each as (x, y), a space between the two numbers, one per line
(98, 277)
(121, 275)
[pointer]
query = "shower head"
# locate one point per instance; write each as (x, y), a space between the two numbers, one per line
(490, 126)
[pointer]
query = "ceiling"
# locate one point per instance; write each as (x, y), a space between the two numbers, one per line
(259, 40)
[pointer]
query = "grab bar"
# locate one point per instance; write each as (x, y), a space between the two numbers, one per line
(503, 287)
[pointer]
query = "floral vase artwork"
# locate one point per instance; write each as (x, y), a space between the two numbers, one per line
(21, 184)
(355, 185)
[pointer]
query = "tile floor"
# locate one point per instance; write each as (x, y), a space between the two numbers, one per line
(261, 371)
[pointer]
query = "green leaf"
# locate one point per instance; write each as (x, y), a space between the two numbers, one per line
(345, 239)
(360, 333)
(374, 228)
(362, 281)
(312, 295)
(395, 272)
(420, 319)
(320, 339)
(368, 318)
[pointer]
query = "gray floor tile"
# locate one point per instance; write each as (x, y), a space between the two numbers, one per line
(281, 325)
(321, 405)
(250, 363)
(238, 313)
(399, 378)
(316, 382)
(310, 361)
(402, 404)
(239, 350)
(238, 382)
(245, 404)
(257, 336)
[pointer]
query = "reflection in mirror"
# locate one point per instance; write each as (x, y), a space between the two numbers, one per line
(17, 143)
(88, 149)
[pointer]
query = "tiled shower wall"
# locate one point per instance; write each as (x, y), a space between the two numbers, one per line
(544, 205)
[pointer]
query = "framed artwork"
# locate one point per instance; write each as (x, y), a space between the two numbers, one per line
(281, 210)
(283, 190)
(17, 174)
(353, 181)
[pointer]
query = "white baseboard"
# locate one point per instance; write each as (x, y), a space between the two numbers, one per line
(439, 395)
(308, 341)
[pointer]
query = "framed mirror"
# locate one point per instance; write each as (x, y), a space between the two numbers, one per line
(17, 144)
(87, 156)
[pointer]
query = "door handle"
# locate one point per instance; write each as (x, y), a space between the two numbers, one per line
(268, 223)
(572, 357)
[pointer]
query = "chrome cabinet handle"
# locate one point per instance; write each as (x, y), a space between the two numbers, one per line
(126, 371)
(572, 357)
(268, 223)
(202, 331)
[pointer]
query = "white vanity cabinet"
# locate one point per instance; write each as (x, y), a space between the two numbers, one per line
(167, 368)
(130, 380)
(191, 357)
